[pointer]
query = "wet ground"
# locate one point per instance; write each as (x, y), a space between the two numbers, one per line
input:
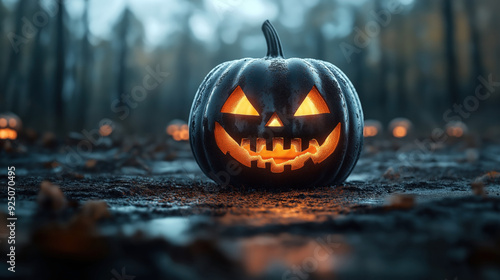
(125, 212)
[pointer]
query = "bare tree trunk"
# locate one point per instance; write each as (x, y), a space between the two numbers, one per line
(449, 30)
(383, 72)
(182, 68)
(183, 88)
(60, 69)
(36, 87)
(3, 14)
(8, 87)
(401, 63)
(87, 62)
(476, 55)
(122, 53)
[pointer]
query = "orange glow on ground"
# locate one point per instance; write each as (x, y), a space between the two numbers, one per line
(278, 157)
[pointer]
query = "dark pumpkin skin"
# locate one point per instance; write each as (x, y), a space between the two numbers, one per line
(275, 84)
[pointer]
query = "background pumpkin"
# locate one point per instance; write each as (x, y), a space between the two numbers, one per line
(276, 87)
(10, 126)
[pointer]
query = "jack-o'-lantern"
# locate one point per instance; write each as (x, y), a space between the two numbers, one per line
(276, 122)
(10, 125)
(179, 130)
(105, 130)
(456, 129)
(400, 127)
(372, 128)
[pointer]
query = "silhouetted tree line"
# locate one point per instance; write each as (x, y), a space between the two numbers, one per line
(414, 61)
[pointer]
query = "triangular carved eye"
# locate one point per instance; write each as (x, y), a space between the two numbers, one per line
(313, 104)
(238, 104)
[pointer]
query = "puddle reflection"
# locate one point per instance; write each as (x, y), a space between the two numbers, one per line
(290, 257)
(173, 229)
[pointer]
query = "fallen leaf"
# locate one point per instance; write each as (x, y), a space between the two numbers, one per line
(50, 196)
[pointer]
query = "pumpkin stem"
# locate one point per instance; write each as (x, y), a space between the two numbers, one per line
(273, 40)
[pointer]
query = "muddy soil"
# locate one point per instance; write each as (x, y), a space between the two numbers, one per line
(133, 214)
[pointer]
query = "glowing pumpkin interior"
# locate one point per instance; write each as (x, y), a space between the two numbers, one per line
(276, 158)
(274, 121)
(105, 130)
(400, 131)
(238, 104)
(400, 127)
(179, 132)
(370, 131)
(455, 131)
(8, 128)
(7, 133)
(314, 104)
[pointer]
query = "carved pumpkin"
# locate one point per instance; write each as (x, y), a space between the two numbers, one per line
(456, 129)
(105, 130)
(372, 128)
(179, 130)
(276, 122)
(400, 127)
(10, 125)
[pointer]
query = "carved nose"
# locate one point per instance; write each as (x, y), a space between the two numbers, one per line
(274, 121)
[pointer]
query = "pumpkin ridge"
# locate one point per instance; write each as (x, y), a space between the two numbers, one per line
(354, 106)
(207, 133)
(319, 66)
(197, 114)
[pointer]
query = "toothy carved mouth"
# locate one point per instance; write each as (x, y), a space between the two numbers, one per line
(277, 157)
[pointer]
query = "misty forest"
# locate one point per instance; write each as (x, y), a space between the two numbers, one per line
(62, 69)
